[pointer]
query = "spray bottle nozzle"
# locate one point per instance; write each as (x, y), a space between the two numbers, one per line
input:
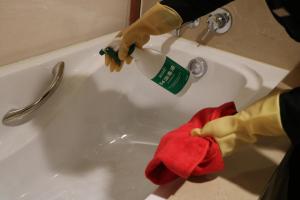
(114, 54)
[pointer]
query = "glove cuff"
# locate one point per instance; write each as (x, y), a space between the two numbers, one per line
(263, 117)
(161, 19)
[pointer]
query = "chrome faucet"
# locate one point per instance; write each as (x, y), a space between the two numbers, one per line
(191, 24)
(219, 21)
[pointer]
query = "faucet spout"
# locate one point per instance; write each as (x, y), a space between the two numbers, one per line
(191, 24)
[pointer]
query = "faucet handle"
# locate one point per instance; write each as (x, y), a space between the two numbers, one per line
(219, 21)
(212, 24)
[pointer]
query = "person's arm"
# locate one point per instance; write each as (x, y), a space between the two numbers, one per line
(271, 116)
(163, 17)
(192, 9)
(287, 13)
(290, 114)
(158, 20)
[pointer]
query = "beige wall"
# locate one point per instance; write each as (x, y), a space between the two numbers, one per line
(33, 27)
(254, 34)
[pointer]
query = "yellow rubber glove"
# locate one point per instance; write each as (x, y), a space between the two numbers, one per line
(157, 20)
(261, 118)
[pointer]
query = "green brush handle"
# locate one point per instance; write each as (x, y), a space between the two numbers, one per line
(114, 54)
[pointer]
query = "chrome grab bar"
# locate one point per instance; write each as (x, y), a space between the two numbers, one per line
(19, 116)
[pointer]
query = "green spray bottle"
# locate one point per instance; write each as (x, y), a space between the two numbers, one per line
(158, 67)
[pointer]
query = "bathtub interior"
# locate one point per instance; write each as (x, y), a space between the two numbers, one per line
(94, 137)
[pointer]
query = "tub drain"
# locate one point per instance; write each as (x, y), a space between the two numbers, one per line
(197, 67)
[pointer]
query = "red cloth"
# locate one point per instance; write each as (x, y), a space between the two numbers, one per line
(179, 154)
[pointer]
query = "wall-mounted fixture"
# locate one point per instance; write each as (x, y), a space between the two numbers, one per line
(219, 21)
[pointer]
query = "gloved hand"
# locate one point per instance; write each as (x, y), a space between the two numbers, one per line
(157, 20)
(261, 118)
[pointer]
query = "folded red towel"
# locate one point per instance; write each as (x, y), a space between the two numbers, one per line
(179, 154)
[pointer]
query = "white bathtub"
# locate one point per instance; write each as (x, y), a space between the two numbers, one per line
(94, 137)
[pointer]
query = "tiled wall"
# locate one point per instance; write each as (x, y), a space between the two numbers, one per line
(33, 27)
(254, 34)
